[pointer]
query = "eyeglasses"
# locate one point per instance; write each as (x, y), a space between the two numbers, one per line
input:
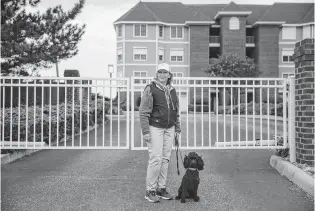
(163, 72)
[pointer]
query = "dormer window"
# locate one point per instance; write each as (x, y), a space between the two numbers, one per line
(234, 23)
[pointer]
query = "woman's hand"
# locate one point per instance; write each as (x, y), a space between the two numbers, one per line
(147, 137)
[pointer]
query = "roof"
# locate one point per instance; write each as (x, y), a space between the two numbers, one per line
(309, 17)
(138, 13)
(288, 12)
(177, 12)
(233, 7)
(174, 12)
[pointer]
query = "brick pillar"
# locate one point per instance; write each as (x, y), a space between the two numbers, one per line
(304, 100)
(72, 73)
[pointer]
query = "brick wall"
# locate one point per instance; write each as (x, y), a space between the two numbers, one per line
(233, 41)
(199, 50)
(304, 100)
(266, 51)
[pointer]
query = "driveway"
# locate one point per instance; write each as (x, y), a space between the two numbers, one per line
(114, 180)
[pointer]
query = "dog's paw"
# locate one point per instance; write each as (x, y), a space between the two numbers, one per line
(183, 201)
(196, 199)
(177, 197)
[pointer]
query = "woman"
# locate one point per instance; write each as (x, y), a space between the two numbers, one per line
(159, 119)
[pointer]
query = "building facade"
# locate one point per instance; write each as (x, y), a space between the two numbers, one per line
(187, 35)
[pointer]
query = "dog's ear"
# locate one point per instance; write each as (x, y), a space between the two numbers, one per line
(200, 163)
(186, 162)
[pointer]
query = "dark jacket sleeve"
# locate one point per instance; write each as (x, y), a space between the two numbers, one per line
(145, 110)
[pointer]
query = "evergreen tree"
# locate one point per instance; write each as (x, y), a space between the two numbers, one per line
(37, 40)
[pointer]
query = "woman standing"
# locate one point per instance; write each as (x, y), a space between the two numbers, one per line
(159, 119)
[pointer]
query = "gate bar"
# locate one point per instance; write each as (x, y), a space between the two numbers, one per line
(291, 119)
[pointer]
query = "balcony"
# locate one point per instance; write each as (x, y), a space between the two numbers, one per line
(214, 41)
(250, 39)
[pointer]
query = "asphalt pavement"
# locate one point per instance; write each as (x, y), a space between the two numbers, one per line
(233, 180)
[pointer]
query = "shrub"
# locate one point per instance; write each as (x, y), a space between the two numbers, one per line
(282, 152)
(49, 121)
(250, 108)
(205, 101)
(198, 108)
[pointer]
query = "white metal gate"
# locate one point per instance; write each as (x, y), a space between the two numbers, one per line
(78, 106)
(206, 118)
(64, 112)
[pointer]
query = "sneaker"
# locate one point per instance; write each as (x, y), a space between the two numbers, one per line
(162, 193)
(151, 196)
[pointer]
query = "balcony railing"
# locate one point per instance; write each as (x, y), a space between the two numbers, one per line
(250, 39)
(214, 39)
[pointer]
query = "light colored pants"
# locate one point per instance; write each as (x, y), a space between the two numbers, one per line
(160, 149)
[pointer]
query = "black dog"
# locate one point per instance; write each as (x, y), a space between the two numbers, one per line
(190, 182)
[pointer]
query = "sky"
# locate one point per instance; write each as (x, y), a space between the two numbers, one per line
(97, 48)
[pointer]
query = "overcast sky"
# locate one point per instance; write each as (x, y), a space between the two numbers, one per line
(97, 48)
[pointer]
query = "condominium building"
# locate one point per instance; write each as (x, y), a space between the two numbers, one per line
(187, 35)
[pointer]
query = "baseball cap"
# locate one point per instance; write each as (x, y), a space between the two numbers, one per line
(164, 66)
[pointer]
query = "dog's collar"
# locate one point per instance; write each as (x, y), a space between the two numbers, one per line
(192, 169)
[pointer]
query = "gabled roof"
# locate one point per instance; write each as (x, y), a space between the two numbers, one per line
(287, 12)
(257, 12)
(209, 10)
(138, 13)
(233, 7)
(176, 12)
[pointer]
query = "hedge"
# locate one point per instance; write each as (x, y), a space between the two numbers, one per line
(242, 108)
(53, 121)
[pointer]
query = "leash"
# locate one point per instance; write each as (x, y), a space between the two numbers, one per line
(178, 150)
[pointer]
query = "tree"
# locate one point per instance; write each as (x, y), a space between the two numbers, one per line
(33, 40)
(230, 65)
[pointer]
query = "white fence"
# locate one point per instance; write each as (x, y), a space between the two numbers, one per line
(55, 105)
(208, 120)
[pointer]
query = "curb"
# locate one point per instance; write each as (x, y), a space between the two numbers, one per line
(10, 157)
(293, 173)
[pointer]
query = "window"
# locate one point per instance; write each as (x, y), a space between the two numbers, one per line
(177, 75)
(140, 30)
(119, 54)
(161, 54)
(288, 33)
(312, 31)
(140, 74)
(306, 32)
(287, 56)
(177, 55)
(287, 75)
(140, 54)
(234, 23)
(176, 32)
(161, 30)
(119, 31)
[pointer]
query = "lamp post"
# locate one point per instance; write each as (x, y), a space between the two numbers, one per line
(110, 71)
